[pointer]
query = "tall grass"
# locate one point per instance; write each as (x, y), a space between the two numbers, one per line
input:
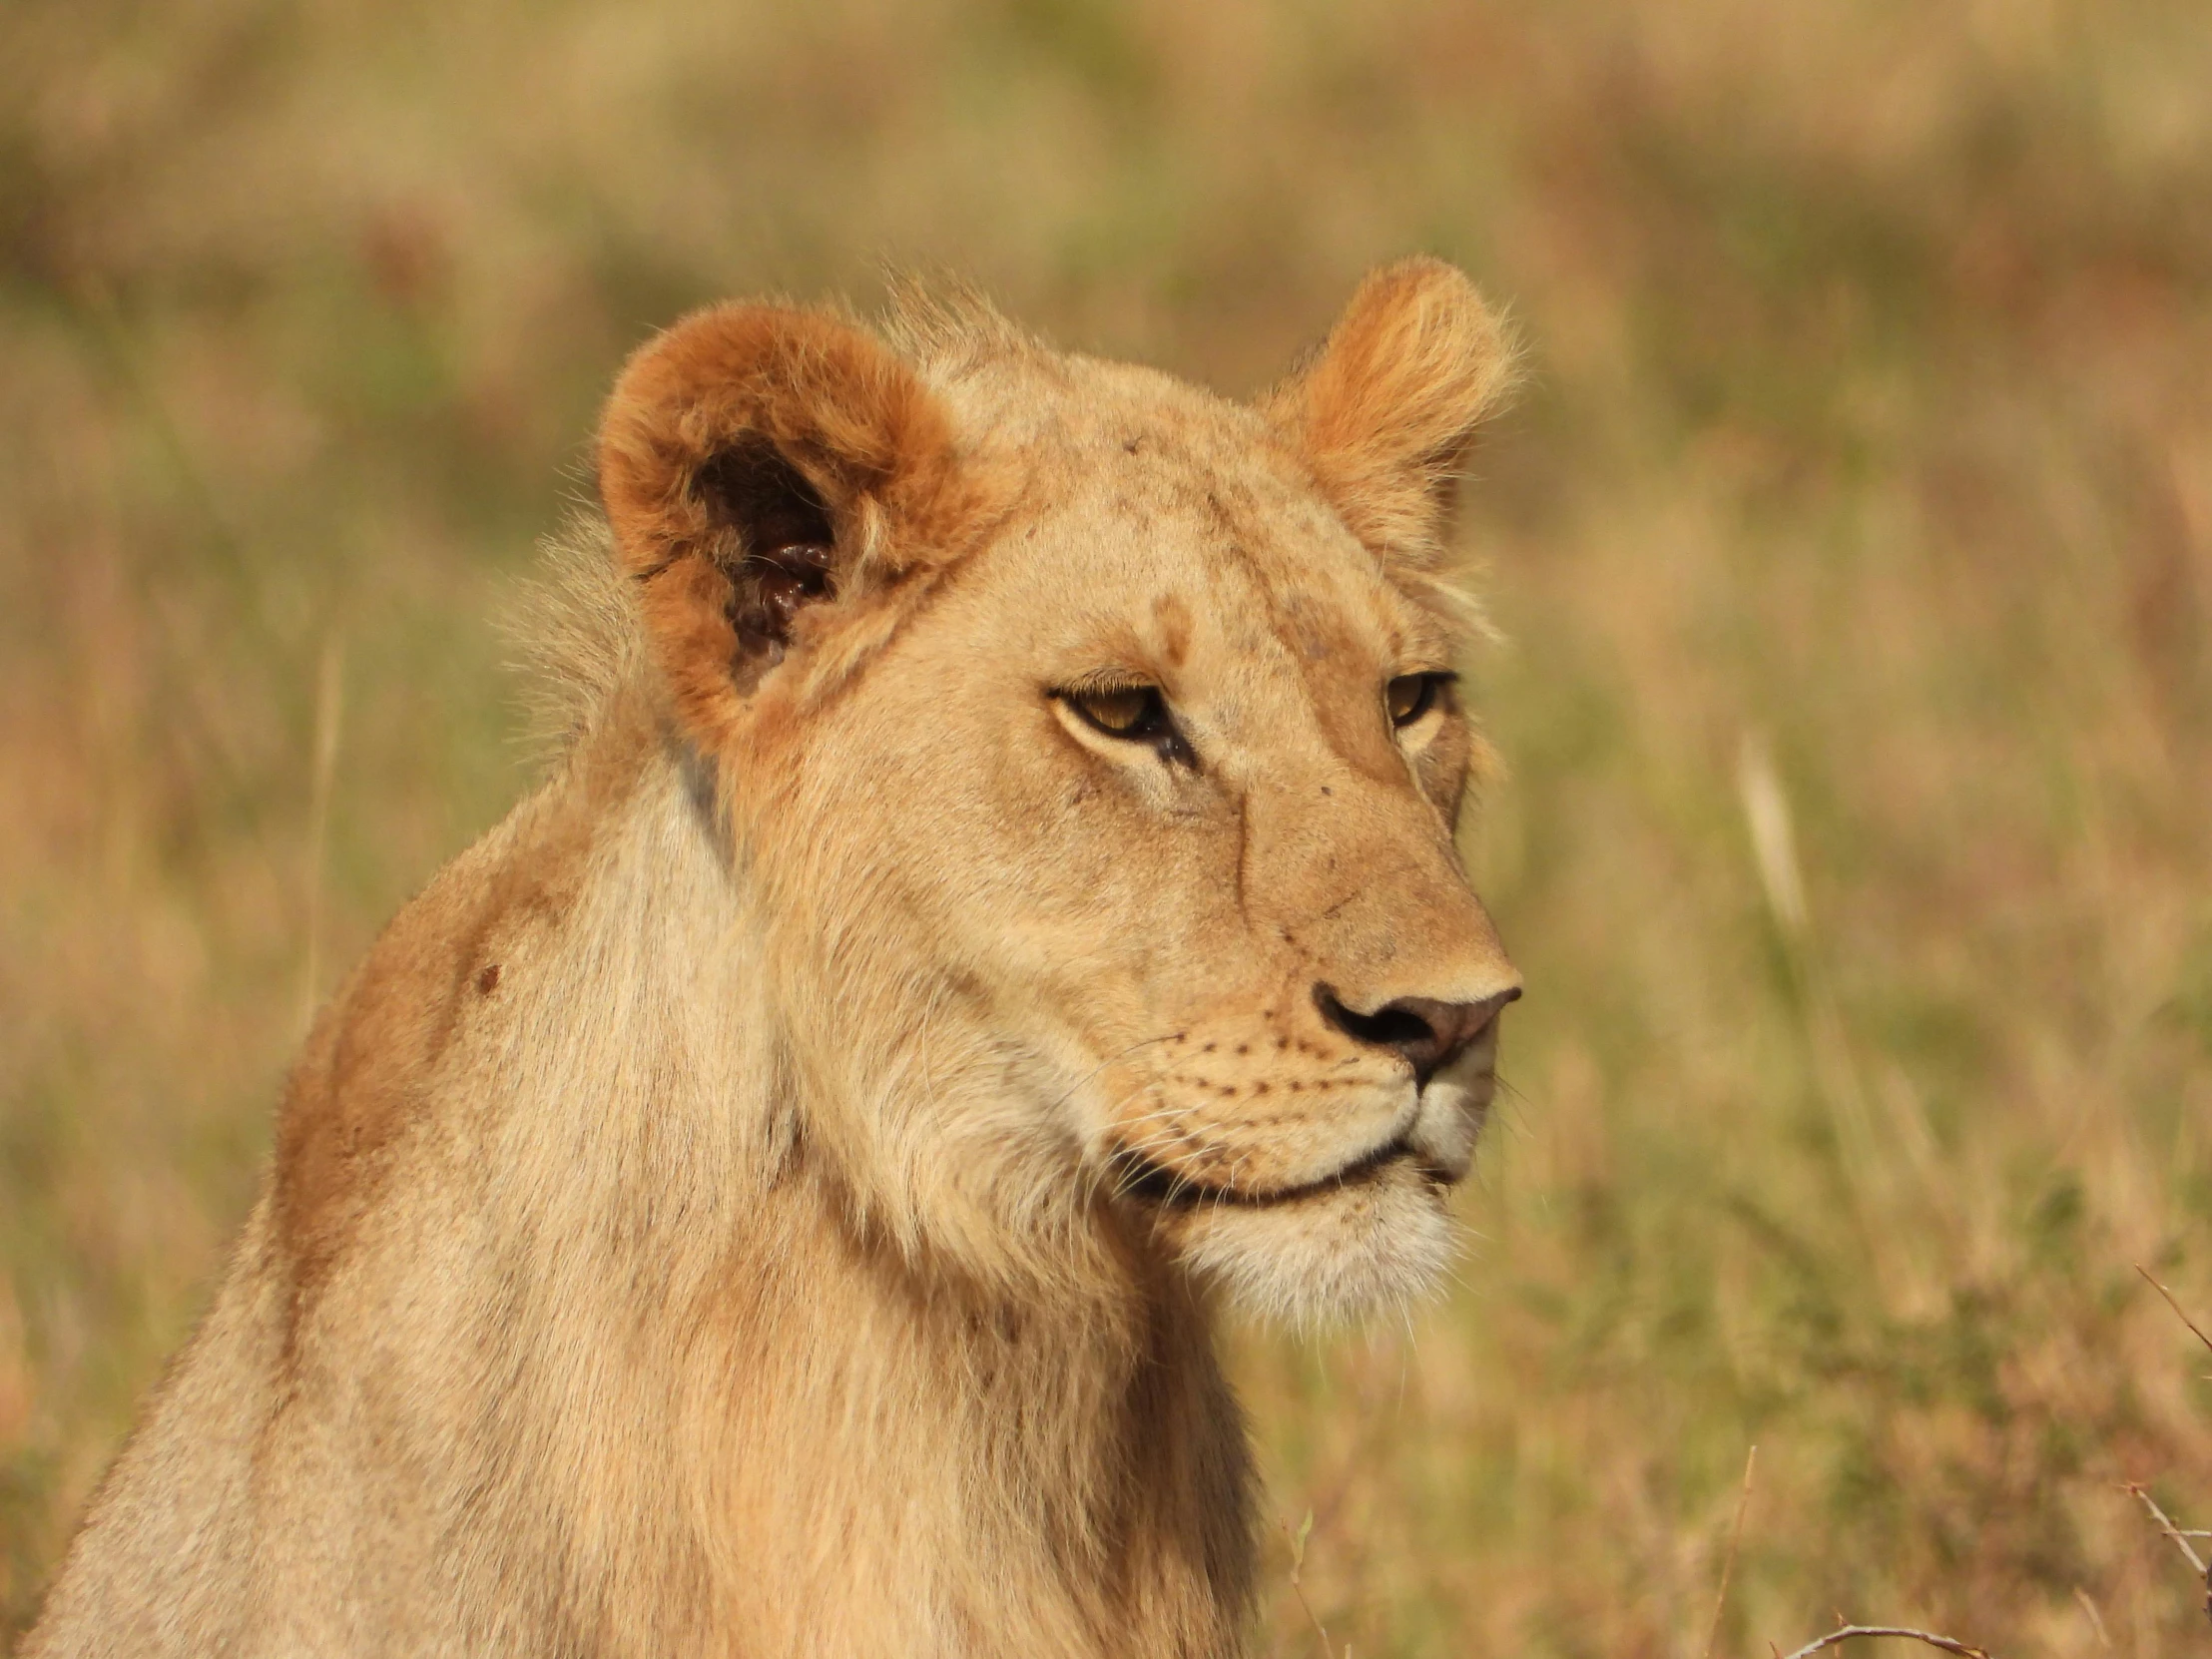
(1854, 549)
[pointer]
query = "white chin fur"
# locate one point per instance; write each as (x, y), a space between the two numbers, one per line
(1329, 1258)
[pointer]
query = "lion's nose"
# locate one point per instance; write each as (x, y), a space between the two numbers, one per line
(1430, 1034)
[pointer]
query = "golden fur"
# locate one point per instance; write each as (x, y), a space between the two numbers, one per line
(770, 1196)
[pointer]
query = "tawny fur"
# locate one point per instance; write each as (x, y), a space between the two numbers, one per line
(704, 1222)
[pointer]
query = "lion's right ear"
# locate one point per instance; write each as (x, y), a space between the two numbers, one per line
(1386, 411)
(766, 471)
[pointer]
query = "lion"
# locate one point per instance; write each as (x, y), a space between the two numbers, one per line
(995, 905)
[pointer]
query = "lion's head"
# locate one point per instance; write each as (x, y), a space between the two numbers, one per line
(1090, 755)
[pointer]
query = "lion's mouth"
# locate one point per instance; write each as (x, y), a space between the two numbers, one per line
(1136, 1176)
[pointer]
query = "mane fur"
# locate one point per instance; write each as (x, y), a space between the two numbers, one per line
(576, 637)
(947, 326)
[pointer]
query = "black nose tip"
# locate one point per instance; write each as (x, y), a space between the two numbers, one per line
(1430, 1034)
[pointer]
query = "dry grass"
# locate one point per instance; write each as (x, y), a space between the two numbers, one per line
(1854, 546)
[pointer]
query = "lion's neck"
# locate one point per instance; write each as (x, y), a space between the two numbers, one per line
(913, 1449)
(886, 1456)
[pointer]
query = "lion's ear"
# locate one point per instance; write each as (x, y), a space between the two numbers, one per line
(764, 468)
(1386, 411)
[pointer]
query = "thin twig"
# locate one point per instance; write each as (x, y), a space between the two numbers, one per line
(330, 711)
(1728, 1566)
(1850, 1632)
(2096, 1619)
(1297, 1563)
(2180, 1538)
(2175, 1305)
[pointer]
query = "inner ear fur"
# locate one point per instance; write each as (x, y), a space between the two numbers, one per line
(1388, 409)
(760, 464)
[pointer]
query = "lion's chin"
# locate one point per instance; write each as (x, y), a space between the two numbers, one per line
(1331, 1256)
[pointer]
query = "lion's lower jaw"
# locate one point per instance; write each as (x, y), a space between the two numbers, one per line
(1335, 1257)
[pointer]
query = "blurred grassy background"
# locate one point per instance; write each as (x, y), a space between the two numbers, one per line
(1853, 545)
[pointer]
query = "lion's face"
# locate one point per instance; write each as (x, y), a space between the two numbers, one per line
(1114, 865)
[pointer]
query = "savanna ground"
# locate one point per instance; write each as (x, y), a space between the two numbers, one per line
(1852, 548)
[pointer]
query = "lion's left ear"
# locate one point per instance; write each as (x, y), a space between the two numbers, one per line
(769, 472)
(1386, 411)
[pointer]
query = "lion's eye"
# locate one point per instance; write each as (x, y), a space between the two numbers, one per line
(1134, 712)
(1410, 696)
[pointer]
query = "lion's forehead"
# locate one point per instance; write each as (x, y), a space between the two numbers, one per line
(1072, 402)
(1234, 597)
(1228, 549)
(1116, 442)
(1169, 532)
